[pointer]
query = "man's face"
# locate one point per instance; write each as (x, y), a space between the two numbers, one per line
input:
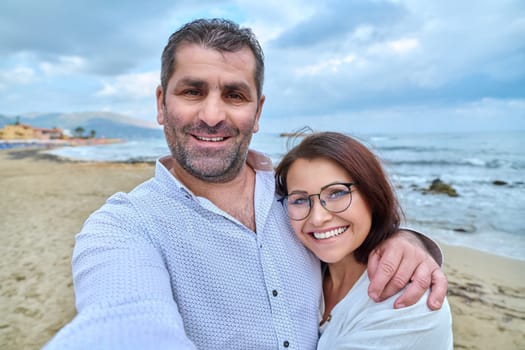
(210, 112)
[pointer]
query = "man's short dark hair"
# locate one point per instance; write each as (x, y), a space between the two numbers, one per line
(216, 33)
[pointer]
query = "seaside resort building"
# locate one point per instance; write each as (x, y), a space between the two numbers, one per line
(27, 132)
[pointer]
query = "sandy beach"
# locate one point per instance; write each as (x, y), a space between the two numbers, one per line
(44, 201)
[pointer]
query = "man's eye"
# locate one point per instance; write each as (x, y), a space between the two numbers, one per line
(191, 92)
(235, 96)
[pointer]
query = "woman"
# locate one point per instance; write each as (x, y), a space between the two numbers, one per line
(341, 206)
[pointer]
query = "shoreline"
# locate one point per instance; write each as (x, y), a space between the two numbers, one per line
(69, 142)
(38, 153)
(46, 199)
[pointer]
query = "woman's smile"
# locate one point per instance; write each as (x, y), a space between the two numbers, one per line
(330, 233)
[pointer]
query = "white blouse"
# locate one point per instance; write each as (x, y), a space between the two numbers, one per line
(359, 323)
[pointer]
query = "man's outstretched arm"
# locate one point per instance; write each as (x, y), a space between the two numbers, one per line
(122, 288)
(405, 260)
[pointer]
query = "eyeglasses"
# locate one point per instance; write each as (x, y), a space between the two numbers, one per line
(334, 197)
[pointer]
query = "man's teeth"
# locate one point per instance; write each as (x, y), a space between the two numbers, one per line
(211, 139)
(329, 234)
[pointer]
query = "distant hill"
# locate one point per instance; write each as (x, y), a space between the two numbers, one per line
(105, 124)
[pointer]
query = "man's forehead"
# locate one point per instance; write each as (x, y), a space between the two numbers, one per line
(197, 65)
(244, 54)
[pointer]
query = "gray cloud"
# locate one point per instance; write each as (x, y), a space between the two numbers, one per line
(334, 20)
(461, 53)
(333, 57)
(112, 36)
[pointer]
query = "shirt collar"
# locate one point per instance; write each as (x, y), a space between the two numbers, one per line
(259, 161)
(255, 159)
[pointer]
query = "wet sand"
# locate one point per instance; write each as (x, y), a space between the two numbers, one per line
(44, 202)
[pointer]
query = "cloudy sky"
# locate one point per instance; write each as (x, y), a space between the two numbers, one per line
(362, 66)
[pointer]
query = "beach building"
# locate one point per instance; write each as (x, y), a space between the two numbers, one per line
(48, 134)
(17, 132)
(27, 132)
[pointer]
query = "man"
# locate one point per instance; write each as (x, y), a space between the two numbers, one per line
(202, 255)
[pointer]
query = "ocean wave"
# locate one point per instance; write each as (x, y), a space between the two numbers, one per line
(468, 162)
(414, 149)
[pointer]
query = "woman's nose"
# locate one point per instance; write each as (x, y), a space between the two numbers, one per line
(318, 213)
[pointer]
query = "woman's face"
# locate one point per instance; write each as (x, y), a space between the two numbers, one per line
(330, 236)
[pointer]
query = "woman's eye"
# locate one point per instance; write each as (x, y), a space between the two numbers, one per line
(298, 201)
(338, 194)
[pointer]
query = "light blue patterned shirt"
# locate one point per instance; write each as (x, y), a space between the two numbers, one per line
(159, 268)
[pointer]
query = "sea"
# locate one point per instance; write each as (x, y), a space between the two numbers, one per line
(487, 170)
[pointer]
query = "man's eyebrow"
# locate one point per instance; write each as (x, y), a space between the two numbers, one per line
(237, 86)
(198, 83)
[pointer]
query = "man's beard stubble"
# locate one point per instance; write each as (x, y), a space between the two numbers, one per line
(210, 166)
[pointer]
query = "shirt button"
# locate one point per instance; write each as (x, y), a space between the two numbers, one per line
(274, 293)
(286, 344)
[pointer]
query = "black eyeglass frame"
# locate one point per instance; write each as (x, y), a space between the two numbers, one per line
(323, 203)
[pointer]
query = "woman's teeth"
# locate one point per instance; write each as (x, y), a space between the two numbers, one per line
(330, 234)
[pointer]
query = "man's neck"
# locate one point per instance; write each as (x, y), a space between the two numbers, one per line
(235, 197)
